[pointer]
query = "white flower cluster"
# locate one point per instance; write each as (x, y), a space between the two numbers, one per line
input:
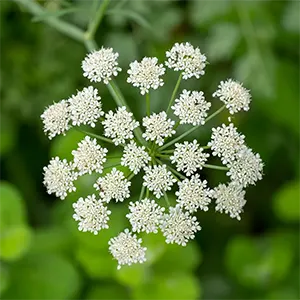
(191, 108)
(234, 95)
(189, 157)
(146, 74)
(147, 153)
(91, 214)
(135, 157)
(101, 65)
(113, 185)
(158, 179)
(120, 125)
(89, 156)
(187, 59)
(158, 127)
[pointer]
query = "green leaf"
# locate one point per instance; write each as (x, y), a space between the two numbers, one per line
(175, 286)
(286, 202)
(259, 263)
(257, 71)
(63, 145)
(107, 291)
(132, 276)
(4, 279)
(43, 277)
(7, 134)
(14, 242)
(54, 14)
(290, 18)
(204, 12)
(222, 41)
(97, 264)
(178, 258)
(12, 210)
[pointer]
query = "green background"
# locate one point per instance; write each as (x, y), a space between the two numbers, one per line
(43, 256)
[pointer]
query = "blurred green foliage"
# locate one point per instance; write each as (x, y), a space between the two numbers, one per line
(43, 256)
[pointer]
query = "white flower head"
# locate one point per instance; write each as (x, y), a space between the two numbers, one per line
(247, 168)
(187, 59)
(145, 215)
(134, 157)
(113, 185)
(59, 177)
(126, 249)
(56, 119)
(119, 125)
(193, 194)
(85, 107)
(158, 179)
(226, 142)
(230, 199)
(191, 108)
(91, 214)
(179, 226)
(146, 74)
(101, 65)
(89, 156)
(158, 127)
(234, 95)
(189, 157)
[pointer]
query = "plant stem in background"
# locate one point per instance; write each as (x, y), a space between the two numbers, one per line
(94, 23)
(216, 167)
(64, 27)
(148, 104)
(167, 199)
(174, 92)
(191, 130)
(99, 137)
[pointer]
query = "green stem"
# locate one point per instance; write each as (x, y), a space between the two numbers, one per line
(216, 167)
(171, 169)
(147, 193)
(90, 45)
(130, 176)
(111, 165)
(142, 192)
(190, 130)
(99, 137)
(174, 92)
(148, 104)
(120, 101)
(167, 199)
(94, 24)
(61, 26)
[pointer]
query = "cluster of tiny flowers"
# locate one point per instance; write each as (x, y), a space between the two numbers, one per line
(113, 185)
(135, 157)
(89, 156)
(158, 179)
(101, 65)
(230, 199)
(158, 127)
(189, 157)
(145, 215)
(120, 125)
(179, 226)
(234, 96)
(191, 108)
(85, 107)
(126, 249)
(193, 194)
(187, 59)
(146, 74)
(147, 154)
(59, 177)
(91, 214)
